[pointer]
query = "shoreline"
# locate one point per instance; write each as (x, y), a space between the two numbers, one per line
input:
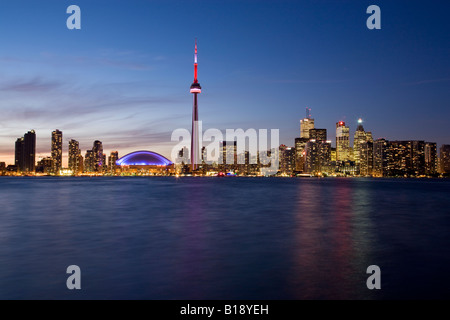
(206, 176)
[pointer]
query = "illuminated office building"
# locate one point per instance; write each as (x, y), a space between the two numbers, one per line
(318, 156)
(365, 155)
(333, 154)
(380, 158)
(306, 124)
(342, 142)
(317, 152)
(406, 158)
(287, 160)
(360, 137)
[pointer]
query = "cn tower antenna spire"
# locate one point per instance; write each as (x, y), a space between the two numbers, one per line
(195, 62)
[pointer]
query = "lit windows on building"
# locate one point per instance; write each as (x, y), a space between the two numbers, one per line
(342, 142)
(57, 146)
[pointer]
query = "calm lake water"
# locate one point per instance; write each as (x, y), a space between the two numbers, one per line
(224, 238)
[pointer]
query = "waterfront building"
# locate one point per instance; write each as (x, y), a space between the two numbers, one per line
(56, 150)
(19, 154)
(112, 165)
(287, 160)
(74, 157)
(300, 154)
(25, 153)
(380, 157)
(318, 156)
(431, 159)
(406, 158)
(45, 165)
(98, 158)
(89, 162)
(365, 154)
(444, 159)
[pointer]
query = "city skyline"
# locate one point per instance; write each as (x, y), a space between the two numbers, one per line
(98, 84)
(311, 154)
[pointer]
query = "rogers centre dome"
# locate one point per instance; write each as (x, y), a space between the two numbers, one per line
(143, 159)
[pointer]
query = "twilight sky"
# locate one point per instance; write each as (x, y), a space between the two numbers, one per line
(124, 77)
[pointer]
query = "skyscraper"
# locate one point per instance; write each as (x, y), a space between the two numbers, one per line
(361, 136)
(74, 157)
(444, 158)
(342, 142)
(97, 156)
(29, 151)
(318, 156)
(19, 154)
(306, 124)
(418, 158)
(406, 158)
(430, 158)
(25, 153)
(89, 161)
(365, 155)
(317, 152)
(195, 90)
(57, 151)
(380, 157)
(300, 154)
(287, 160)
(112, 161)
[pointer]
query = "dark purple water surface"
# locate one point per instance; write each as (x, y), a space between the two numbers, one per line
(224, 238)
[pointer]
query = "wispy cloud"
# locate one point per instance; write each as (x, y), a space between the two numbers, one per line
(36, 84)
(129, 60)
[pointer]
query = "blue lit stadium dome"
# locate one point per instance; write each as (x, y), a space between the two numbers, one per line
(143, 158)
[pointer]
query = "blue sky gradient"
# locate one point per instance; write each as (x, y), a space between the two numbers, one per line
(124, 77)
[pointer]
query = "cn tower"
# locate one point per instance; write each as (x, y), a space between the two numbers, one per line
(195, 89)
